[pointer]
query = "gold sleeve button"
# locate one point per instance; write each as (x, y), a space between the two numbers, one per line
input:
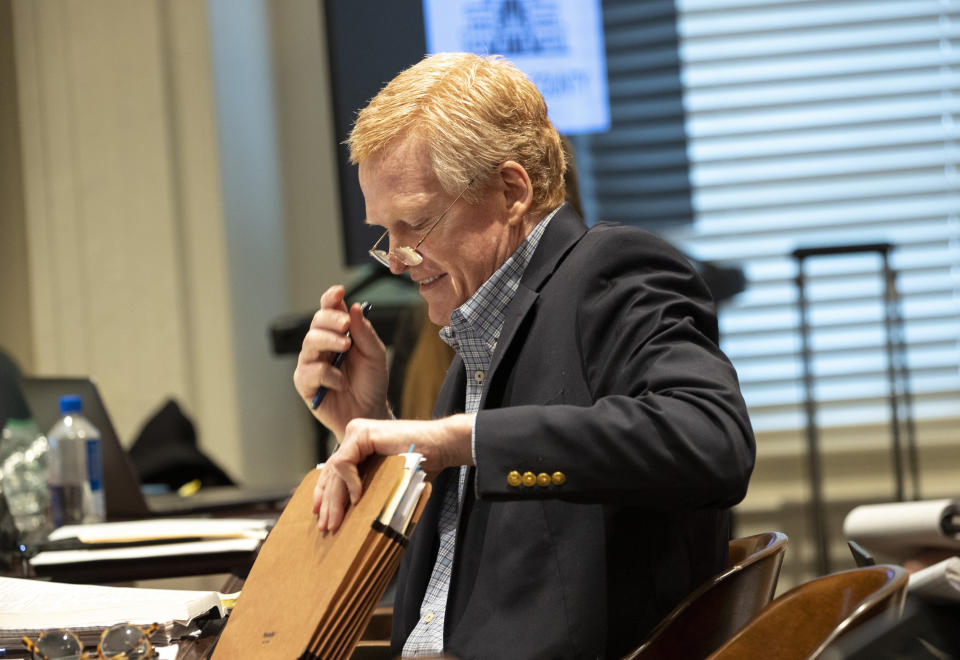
(513, 478)
(543, 479)
(558, 478)
(529, 479)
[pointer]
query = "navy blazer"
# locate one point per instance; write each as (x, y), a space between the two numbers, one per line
(607, 390)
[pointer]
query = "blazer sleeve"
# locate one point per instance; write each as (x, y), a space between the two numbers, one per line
(664, 424)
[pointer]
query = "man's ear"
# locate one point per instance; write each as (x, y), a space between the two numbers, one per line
(517, 191)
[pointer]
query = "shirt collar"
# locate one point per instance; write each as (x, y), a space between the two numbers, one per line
(482, 315)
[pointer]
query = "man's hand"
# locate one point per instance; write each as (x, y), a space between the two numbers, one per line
(359, 387)
(442, 442)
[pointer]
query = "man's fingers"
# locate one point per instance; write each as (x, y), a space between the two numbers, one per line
(318, 491)
(333, 297)
(323, 514)
(334, 320)
(350, 476)
(310, 377)
(357, 445)
(363, 333)
(333, 506)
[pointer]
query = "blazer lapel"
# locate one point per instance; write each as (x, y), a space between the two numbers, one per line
(566, 228)
(564, 231)
(453, 392)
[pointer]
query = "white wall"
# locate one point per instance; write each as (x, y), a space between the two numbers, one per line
(15, 327)
(160, 210)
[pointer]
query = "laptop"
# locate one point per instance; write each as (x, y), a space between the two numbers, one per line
(122, 492)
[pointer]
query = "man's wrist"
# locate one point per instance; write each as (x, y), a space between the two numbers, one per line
(460, 427)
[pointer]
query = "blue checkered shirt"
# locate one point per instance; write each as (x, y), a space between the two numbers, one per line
(473, 332)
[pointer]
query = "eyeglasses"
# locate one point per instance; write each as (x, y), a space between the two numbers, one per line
(409, 256)
(123, 641)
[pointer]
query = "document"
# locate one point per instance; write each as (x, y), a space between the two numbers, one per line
(155, 537)
(406, 494)
(28, 607)
(60, 557)
(160, 529)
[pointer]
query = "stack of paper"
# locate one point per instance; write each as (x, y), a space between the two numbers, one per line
(153, 537)
(310, 594)
(28, 607)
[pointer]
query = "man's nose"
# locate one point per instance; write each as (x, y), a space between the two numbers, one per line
(397, 267)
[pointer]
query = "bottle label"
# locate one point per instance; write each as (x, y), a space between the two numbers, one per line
(94, 464)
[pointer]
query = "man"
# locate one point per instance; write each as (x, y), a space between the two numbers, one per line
(589, 436)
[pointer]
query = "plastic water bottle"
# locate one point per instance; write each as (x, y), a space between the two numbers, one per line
(75, 475)
(23, 476)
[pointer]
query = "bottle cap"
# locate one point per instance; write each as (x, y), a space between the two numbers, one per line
(70, 403)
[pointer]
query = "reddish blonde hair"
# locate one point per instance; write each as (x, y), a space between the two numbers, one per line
(472, 114)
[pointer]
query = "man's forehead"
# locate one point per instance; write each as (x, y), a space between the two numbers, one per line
(404, 169)
(400, 176)
(403, 153)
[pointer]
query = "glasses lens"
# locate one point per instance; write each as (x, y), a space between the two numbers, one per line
(381, 256)
(59, 645)
(408, 256)
(125, 641)
(405, 255)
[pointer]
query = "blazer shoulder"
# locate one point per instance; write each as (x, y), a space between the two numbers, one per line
(609, 244)
(617, 233)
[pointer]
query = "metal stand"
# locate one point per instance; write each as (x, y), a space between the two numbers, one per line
(899, 397)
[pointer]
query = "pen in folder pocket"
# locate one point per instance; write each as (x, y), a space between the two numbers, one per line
(365, 307)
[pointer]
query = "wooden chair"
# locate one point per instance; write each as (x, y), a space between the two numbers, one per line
(803, 622)
(374, 643)
(721, 606)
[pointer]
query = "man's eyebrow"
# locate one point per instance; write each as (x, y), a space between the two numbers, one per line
(410, 223)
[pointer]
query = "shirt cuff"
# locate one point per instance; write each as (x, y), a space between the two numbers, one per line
(473, 439)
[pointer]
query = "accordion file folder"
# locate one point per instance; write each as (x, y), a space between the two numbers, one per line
(310, 594)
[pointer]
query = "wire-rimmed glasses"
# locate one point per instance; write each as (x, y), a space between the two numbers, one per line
(406, 255)
(124, 641)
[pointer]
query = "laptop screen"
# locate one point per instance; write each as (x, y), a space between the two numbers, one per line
(120, 481)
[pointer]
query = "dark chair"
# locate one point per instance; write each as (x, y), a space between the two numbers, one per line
(374, 643)
(12, 403)
(720, 607)
(803, 622)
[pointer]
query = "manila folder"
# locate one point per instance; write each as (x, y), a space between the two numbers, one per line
(300, 572)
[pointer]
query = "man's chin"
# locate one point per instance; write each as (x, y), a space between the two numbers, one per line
(439, 314)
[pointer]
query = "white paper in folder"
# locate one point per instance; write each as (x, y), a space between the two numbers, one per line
(939, 583)
(901, 529)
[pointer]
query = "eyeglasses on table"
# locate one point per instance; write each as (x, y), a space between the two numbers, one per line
(124, 641)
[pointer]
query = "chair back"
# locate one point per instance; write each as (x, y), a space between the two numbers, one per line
(724, 604)
(803, 622)
(374, 642)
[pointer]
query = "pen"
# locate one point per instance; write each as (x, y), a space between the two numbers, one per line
(73, 543)
(365, 308)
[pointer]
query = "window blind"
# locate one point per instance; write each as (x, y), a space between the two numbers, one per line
(820, 123)
(744, 129)
(637, 172)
